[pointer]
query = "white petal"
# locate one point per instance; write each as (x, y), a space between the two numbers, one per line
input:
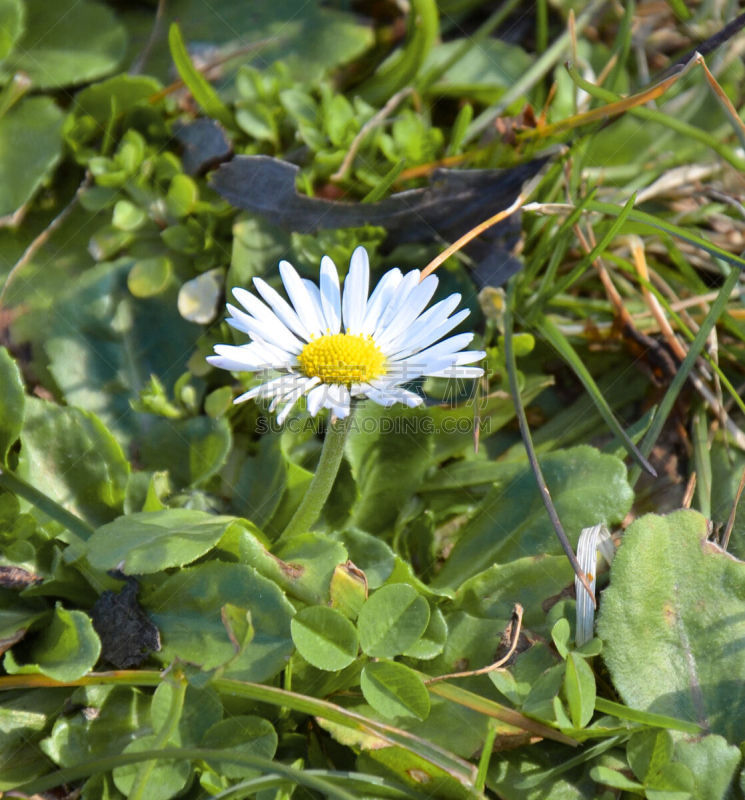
(241, 358)
(404, 289)
(281, 308)
(420, 338)
(454, 371)
(270, 329)
(415, 303)
(380, 298)
(315, 296)
(262, 313)
(316, 399)
(395, 394)
(356, 285)
(300, 297)
(278, 387)
(337, 399)
(330, 295)
(290, 398)
(444, 349)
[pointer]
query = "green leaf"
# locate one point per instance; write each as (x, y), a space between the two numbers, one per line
(192, 450)
(668, 619)
(122, 713)
(713, 762)
(11, 404)
(79, 42)
(11, 25)
(151, 541)
(432, 641)
(69, 455)
(65, 650)
(615, 779)
(394, 690)
(30, 147)
(324, 637)
(166, 779)
(187, 605)
(389, 452)
(587, 487)
(648, 752)
(391, 620)
(247, 735)
(91, 337)
(203, 93)
(528, 581)
(560, 635)
(120, 94)
(150, 276)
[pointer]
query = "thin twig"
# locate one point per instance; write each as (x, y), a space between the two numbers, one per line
(516, 623)
(141, 60)
(530, 450)
(42, 238)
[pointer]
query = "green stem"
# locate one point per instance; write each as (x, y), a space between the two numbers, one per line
(320, 487)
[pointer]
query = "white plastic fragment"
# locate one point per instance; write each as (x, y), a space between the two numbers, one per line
(592, 541)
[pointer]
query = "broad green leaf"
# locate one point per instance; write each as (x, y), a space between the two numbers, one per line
(617, 780)
(201, 709)
(90, 339)
(11, 25)
(432, 641)
(186, 608)
(372, 555)
(648, 752)
(579, 689)
(528, 581)
(151, 541)
(65, 650)
(166, 779)
(391, 620)
(482, 72)
(394, 690)
(312, 559)
(324, 637)
(30, 147)
(11, 403)
(249, 735)
(118, 94)
(122, 715)
(713, 763)
(79, 42)
(668, 620)
(69, 455)
(560, 634)
(587, 487)
(192, 450)
(389, 451)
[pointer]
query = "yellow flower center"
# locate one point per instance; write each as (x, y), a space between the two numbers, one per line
(342, 358)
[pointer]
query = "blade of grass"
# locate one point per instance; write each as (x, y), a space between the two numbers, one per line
(536, 73)
(668, 227)
(460, 769)
(99, 765)
(645, 717)
(197, 84)
(562, 346)
(716, 311)
(588, 258)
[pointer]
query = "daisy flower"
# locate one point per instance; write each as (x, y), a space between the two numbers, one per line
(331, 346)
